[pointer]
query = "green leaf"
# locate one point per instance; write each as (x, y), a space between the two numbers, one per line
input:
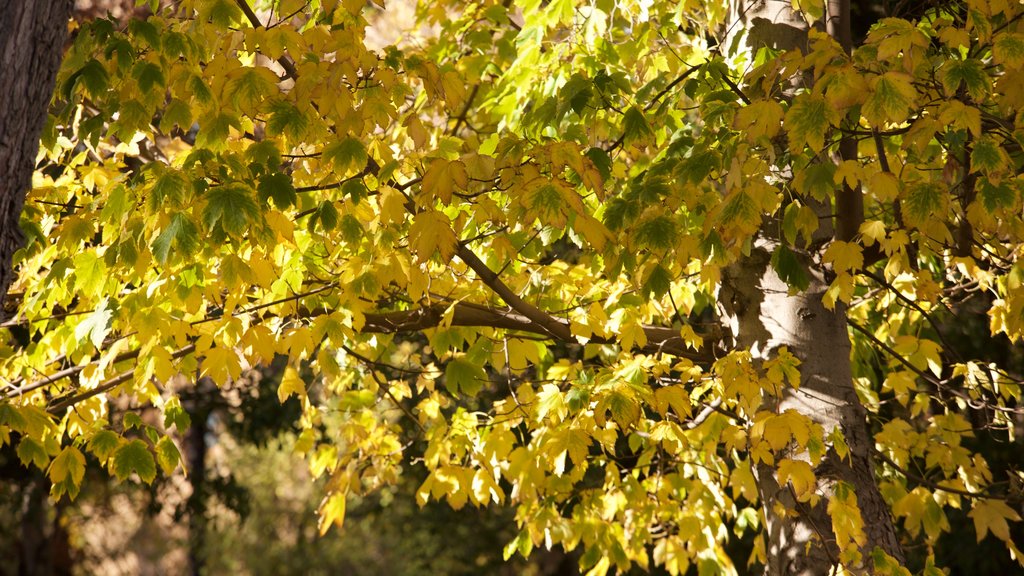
(277, 186)
(987, 156)
(172, 188)
(287, 119)
(789, 268)
(223, 13)
(10, 416)
(923, 201)
(1008, 49)
(892, 96)
(817, 180)
(133, 457)
(175, 415)
(180, 231)
(231, 207)
(167, 454)
(807, 122)
(176, 113)
(635, 125)
(66, 472)
(601, 161)
(464, 375)
(575, 94)
(346, 154)
(132, 420)
(969, 73)
(102, 444)
(213, 133)
(545, 202)
(92, 76)
(249, 86)
(133, 116)
(658, 282)
(326, 214)
(32, 451)
(997, 195)
(657, 232)
(148, 76)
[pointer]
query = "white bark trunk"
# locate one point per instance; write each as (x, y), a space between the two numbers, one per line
(764, 317)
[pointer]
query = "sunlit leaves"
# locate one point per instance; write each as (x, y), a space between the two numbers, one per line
(604, 193)
(247, 87)
(464, 375)
(761, 119)
(214, 131)
(291, 385)
(96, 325)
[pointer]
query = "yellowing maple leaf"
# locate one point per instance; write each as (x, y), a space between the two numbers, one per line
(990, 514)
(443, 177)
(432, 232)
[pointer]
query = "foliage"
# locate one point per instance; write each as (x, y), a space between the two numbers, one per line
(504, 245)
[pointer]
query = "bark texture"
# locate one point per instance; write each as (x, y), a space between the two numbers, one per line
(763, 317)
(32, 35)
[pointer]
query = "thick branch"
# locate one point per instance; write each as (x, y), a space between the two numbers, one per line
(659, 338)
(551, 325)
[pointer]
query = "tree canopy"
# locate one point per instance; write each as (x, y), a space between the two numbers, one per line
(661, 276)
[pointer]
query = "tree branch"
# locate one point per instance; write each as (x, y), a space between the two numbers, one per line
(284, 61)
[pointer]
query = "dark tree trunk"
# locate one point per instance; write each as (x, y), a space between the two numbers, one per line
(32, 35)
(195, 450)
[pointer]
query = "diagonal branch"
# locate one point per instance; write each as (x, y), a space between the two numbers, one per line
(551, 325)
(284, 61)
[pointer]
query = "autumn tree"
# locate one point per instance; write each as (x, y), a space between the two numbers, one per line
(658, 276)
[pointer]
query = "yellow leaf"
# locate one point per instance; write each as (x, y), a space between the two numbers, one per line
(221, 365)
(392, 205)
(432, 232)
(332, 512)
(414, 127)
(798, 473)
(632, 335)
(443, 177)
(872, 231)
(291, 383)
(844, 256)
(761, 119)
(673, 396)
(991, 515)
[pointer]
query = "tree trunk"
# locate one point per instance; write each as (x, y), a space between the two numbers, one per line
(32, 35)
(196, 451)
(765, 317)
